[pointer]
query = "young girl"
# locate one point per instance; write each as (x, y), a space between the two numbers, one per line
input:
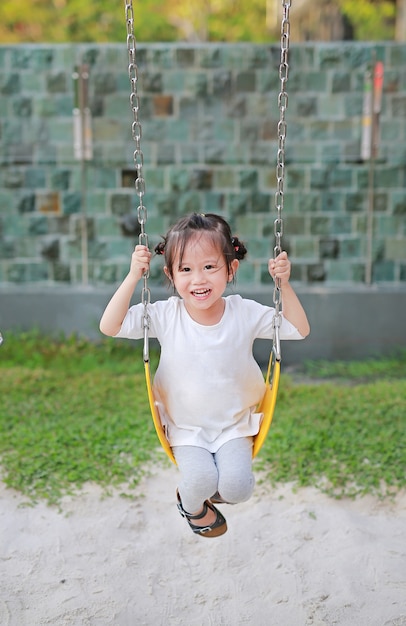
(207, 384)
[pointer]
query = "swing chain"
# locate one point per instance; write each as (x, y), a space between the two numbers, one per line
(138, 157)
(280, 163)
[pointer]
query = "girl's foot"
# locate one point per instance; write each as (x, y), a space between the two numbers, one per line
(211, 522)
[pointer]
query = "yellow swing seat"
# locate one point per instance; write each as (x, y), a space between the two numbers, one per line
(266, 406)
(268, 402)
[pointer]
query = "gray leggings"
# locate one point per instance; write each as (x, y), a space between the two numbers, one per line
(227, 471)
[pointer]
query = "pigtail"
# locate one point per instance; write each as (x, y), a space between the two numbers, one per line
(239, 248)
(160, 248)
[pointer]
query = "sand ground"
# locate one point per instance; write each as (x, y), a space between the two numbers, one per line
(288, 559)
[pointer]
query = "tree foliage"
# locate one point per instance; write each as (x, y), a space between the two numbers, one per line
(372, 20)
(63, 21)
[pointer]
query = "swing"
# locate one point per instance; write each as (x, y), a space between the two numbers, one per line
(268, 402)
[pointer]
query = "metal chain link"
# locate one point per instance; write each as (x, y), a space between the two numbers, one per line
(138, 156)
(280, 163)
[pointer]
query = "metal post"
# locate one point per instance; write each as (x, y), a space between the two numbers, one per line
(82, 132)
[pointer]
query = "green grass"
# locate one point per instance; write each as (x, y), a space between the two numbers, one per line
(73, 411)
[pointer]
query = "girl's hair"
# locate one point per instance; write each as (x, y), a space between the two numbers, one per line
(188, 227)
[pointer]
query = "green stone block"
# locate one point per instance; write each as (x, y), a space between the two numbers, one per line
(391, 130)
(295, 177)
(319, 130)
(186, 56)
(21, 57)
(213, 202)
(60, 180)
(301, 56)
(328, 57)
(332, 201)
(107, 226)
(353, 104)
(119, 247)
(71, 203)
(103, 178)
(12, 225)
(120, 203)
(10, 84)
(111, 130)
(304, 247)
(247, 227)
(330, 107)
(341, 225)
(319, 225)
(166, 204)
(196, 84)
(397, 55)
(61, 272)
(35, 178)
(341, 177)
(17, 272)
(190, 202)
(60, 130)
(388, 177)
(389, 225)
(309, 202)
(295, 224)
(11, 132)
(383, 271)
(245, 274)
(48, 154)
(56, 82)
(398, 202)
(97, 249)
(178, 130)
(39, 272)
(174, 81)
(301, 152)
(339, 270)
(313, 81)
(306, 105)
(331, 152)
(37, 225)
(210, 57)
(116, 105)
(63, 105)
(319, 178)
(4, 55)
(350, 247)
(44, 107)
(355, 202)
(7, 248)
(161, 56)
(341, 82)
(42, 58)
(395, 249)
(245, 81)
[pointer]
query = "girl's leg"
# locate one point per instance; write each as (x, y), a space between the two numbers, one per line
(198, 476)
(234, 464)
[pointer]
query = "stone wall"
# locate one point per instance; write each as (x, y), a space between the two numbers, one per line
(209, 118)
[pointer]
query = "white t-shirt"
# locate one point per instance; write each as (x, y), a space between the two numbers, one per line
(207, 384)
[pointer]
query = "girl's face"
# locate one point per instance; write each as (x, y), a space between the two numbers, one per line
(201, 279)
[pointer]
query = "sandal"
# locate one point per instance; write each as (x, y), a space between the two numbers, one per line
(219, 526)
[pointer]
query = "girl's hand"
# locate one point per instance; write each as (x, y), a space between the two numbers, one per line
(280, 268)
(140, 260)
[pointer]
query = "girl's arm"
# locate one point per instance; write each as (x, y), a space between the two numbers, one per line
(291, 306)
(119, 304)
